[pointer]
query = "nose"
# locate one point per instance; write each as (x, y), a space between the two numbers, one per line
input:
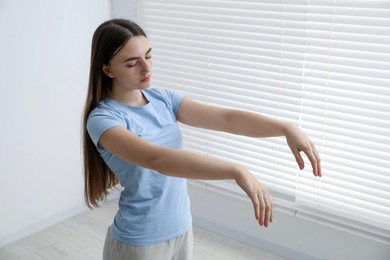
(146, 66)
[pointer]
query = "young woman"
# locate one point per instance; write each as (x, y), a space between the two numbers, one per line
(131, 137)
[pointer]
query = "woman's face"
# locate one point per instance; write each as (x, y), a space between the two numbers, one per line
(131, 67)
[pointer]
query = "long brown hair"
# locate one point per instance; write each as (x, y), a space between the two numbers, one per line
(107, 40)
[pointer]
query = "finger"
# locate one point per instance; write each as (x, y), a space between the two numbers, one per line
(298, 158)
(272, 208)
(318, 163)
(262, 209)
(313, 160)
(256, 207)
(268, 210)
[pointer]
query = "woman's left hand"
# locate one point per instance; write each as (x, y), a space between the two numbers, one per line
(298, 142)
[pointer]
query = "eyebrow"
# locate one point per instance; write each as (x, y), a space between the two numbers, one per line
(137, 58)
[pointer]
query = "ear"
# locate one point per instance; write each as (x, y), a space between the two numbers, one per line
(107, 71)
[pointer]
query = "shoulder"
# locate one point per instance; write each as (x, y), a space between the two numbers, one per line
(168, 96)
(106, 108)
(163, 94)
(171, 98)
(101, 118)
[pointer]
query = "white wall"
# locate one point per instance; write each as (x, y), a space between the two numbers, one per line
(44, 60)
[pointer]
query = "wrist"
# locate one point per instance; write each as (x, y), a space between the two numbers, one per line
(238, 172)
(288, 127)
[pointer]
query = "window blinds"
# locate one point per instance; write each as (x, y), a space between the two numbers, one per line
(321, 64)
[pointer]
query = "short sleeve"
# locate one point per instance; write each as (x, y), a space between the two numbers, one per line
(175, 99)
(99, 121)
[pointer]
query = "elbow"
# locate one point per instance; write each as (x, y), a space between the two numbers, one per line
(157, 162)
(167, 161)
(228, 119)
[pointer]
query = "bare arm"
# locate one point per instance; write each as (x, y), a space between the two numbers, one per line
(185, 164)
(249, 124)
(170, 162)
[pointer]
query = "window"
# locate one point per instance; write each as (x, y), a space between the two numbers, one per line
(324, 65)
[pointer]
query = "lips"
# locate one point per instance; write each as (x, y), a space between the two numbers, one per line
(147, 79)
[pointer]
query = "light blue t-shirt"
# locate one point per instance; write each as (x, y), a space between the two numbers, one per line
(152, 207)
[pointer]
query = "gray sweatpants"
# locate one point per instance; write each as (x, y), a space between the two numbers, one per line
(179, 248)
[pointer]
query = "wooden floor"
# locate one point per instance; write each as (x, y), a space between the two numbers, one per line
(82, 238)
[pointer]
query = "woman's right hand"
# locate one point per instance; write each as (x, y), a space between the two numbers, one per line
(259, 196)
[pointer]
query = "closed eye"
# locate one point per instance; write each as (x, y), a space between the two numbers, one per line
(147, 57)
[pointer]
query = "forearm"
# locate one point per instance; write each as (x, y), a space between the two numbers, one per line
(194, 166)
(133, 149)
(254, 125)
(190, 165)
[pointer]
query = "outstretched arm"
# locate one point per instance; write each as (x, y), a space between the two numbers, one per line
(249, 124)
(185, 164)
